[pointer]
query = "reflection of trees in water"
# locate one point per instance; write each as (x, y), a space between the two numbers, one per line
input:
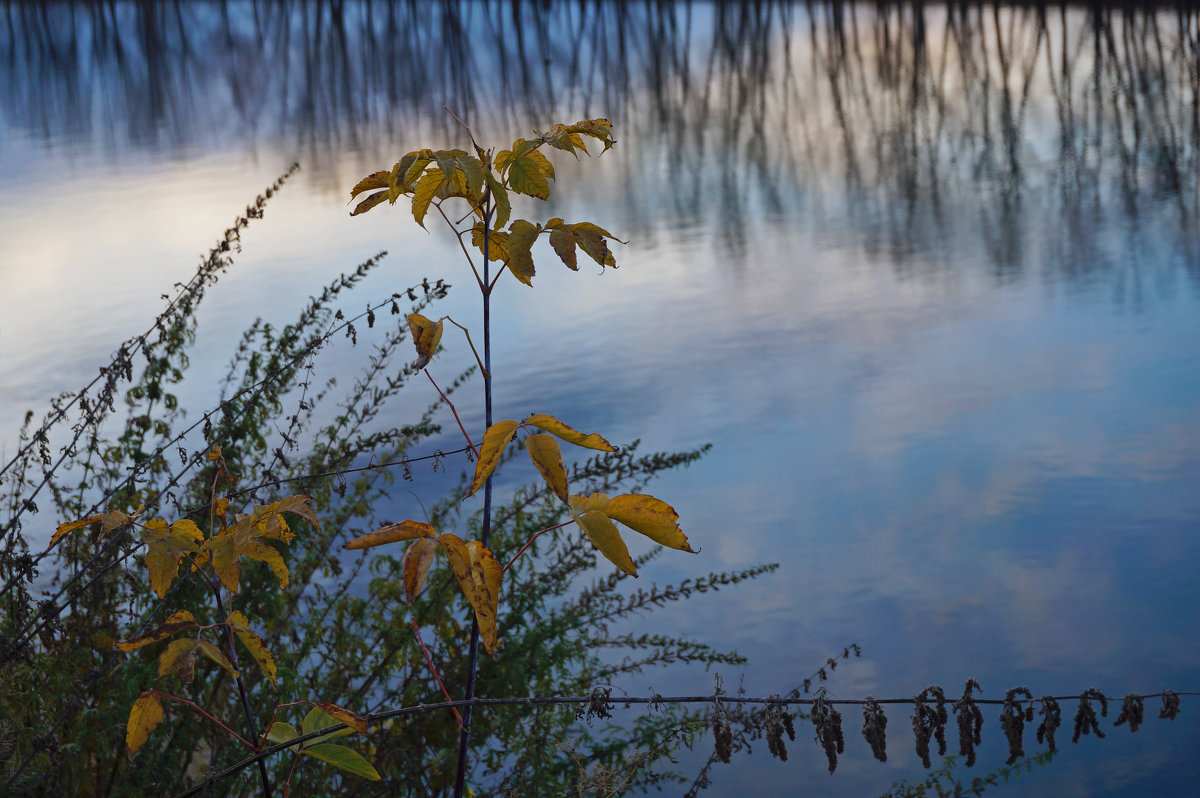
(903, 124)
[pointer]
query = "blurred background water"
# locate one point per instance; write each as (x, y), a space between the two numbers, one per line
(926, 277)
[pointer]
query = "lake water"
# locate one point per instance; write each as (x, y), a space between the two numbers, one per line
(929, 282)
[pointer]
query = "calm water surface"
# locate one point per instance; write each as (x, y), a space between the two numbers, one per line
(927, 281)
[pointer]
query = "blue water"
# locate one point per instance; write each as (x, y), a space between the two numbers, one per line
(927, 283)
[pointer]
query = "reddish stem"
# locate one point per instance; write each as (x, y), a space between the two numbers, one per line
(287, 787)
(196, 707)
(529, 542)
(436, 676)
(446, 399)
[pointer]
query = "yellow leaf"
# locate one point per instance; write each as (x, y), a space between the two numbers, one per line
(426, 190)
(372, 181)
(415, 165)
(369, 203)
(179, 657)
(653, 517)
(479, 575)
(495, 440)
(596, 128)
(176, 622)
(473, 171)
(521, 235)
(563, 138)
(257, 550)
(569, 434)
(544, 452)
(217, 656)
(166, 546)
(355, 722)
(497, 242)
(71, 526)
(215, 454)
(417, 559)
(405, 530)
(144, 716)
(426, 336)
(300, 505)
(605, 537)
(223, 550)
(257, 647)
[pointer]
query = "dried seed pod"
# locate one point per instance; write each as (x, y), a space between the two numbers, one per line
(1012, 719)
(828, 723)
(1051, 720)
(1170, 707)
(1132, 710)
(1085, 715)
(970, 722)
(875, 728)
(929, 722)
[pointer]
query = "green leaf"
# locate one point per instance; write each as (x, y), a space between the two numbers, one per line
(503, 208)
(342, 757)
(282, 733)
(318, 719)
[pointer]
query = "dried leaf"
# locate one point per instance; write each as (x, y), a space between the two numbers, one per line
(179, 657)
(426, 335)
(521, 235)
(359, 724)
(145, 714)
(176, 622)
(569, 434)
(603, 534)
(417, 559)
(547, 458)
(495, 440)
(405, 530)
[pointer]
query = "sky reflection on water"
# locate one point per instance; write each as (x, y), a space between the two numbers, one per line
(927, 282)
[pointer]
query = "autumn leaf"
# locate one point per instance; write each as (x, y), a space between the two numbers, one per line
(495, 440)
(423, 194)
(479, 576)
(166, 546)
(109, 521)
(426, 336)
(179, 657)
(563, 138)
(245, 539)
(521, 235)
(405, 530)
(216, 655)
(529, 172)
(497, 242)
(415, 566)
(547, 458)
(145, 714)
(604, 535)
(503, 209)
(652, 517)
(257, 647)
(569, 434)
(586, 236)
(359, 724)
(176, 622)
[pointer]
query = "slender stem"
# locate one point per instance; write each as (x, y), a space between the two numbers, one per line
(532, 538)
(437, 677)
(470, 343)
(201, 710)
(453, 410)
(464, 736)
(482, 281)
(228, 635)
(291, 771)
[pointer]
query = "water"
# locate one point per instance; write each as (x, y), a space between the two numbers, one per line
(928, 282)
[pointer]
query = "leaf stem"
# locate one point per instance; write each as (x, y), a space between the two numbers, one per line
(446, 399)
(532, 538)
(432, 669)
(201, 710)
(471, 344)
